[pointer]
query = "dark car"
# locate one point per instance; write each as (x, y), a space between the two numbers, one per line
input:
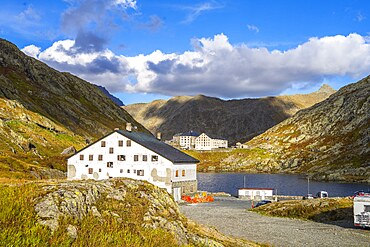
(263, 202)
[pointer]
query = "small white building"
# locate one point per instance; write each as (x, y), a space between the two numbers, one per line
(255, 193)
(135, 155)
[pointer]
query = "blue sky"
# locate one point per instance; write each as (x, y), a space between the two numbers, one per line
(145, 50)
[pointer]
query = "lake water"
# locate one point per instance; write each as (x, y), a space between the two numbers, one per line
(285, 184)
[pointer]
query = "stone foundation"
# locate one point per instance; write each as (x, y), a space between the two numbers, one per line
(187, 187)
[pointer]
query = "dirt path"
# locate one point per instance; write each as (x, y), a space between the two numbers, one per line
(231, 217)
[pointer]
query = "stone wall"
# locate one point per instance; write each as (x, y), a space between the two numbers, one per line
(187, 187)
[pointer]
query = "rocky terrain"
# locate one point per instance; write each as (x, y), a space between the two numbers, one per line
(63, 98)
(329, 141)
(235, 120)
(115, 212)
(43, 112)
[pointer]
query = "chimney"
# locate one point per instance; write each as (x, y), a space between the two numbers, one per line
(129, 127)
(115, 129)
(159, 135)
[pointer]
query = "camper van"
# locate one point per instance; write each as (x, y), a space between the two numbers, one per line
(361, 211)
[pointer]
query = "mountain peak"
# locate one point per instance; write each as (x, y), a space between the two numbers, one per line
(325, 88)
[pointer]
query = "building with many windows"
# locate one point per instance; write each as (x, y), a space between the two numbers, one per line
(135, 155)
(193, 140)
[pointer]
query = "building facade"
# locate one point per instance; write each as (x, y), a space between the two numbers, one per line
(193, 140)
(255, 193)
(204, 142)
(135, 155)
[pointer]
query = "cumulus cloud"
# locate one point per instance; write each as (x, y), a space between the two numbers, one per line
(216, 67)
(32, 50)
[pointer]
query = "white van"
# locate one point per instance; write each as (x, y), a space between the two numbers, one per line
(361, 211)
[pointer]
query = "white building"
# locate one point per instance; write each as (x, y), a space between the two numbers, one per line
(255, 193)
(135, 155)
(204, 142)
(187, 139)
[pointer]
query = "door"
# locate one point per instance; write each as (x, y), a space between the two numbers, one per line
(177, 194)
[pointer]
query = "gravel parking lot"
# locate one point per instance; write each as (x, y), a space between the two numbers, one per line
(229, 216)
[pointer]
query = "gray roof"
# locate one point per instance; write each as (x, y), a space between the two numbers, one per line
(190, 133)
(161, 148)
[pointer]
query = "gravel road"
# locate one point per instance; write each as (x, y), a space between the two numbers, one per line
(229, 216)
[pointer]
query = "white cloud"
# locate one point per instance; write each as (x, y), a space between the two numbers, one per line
(253, 28)
(217, 68)
(197, 10)
(32, 50)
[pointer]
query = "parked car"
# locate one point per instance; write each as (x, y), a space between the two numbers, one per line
(309, 196)
(263, 202)
(361, 193)
(322, 194)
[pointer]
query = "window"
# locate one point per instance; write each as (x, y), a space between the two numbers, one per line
(121, 157)
(154, 157)
(91, 157)
(145, 157)
(120, 143)
(90, 171)
(140, 172)
(128, 143)
(100, 157)
(121, 170)
(110, 150)
(136, 157)
(367, 208)
(102, 144)
(183, 173)
(99, 169)
(110, 164)
(81, 157)
(177, 173)
(128, 170)
(134, 171)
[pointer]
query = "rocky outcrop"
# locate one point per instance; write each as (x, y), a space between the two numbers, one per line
(329, 140)
(157, 210)
(235, 120)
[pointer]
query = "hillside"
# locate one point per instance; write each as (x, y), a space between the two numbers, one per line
(43, 112)
(235, 120)
(63, 98)
(116, 212)
(329, 141)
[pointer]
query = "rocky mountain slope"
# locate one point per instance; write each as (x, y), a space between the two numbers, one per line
(329, 141)
(235, 120)
(63, 98)
(43, 112)
(115, 212)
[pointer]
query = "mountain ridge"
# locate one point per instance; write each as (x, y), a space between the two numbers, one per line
(248, 117)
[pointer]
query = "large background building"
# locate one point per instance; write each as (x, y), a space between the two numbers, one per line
(193, 140)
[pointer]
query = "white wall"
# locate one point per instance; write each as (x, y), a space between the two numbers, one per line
(82, 166)
(190, 172)
(255, 193)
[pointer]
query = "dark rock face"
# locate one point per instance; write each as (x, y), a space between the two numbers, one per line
(113, 98)
(330, 140)
(61, 97)
(235, 120)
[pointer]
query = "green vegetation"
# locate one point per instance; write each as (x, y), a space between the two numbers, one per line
(320, 209)
(19, 224)
(220, 160)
